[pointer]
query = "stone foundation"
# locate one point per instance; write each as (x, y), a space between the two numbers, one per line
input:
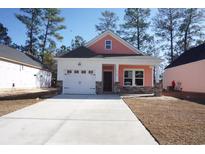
(158, 89)
(116, 88)
(59, 85)
(99, 87)
(137, 90)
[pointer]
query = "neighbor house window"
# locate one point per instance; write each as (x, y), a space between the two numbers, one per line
(108, 44)
(133, 78)
(83, 71)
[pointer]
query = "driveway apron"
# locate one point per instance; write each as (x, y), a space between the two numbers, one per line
(75, 119)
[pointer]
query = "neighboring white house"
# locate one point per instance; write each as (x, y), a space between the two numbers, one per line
(18, 70)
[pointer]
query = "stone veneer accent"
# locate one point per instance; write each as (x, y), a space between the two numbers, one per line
(99, 87)
(59, 85)
(116, 87)
(158, 89)
(137, 90)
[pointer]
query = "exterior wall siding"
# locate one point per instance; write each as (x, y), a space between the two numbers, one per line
(22, 76)
(191, 76)
(117, 47)
(98, 65)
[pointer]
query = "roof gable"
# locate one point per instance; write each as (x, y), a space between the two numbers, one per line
(191, 55)
(119, 46)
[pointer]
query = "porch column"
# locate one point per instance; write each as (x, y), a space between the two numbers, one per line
(157, 73)
(116, 87)
(116, 72)
(153, 75)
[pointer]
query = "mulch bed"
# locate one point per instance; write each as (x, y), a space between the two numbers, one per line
(171, 120)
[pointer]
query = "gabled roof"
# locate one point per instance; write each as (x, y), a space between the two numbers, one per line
(191, 55)
(13, 55)
(83, 52)
(117, 37)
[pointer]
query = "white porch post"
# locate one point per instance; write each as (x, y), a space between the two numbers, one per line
(116, 72)
(157, 73)
(152, 67)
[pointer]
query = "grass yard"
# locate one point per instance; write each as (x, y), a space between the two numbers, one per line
(170, 120)
(7, 106)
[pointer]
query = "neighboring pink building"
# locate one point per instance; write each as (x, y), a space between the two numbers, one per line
(188, 71)
(107, 63)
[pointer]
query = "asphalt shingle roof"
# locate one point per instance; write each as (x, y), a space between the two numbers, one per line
(83, 52)
(191, 55)
(15, 55)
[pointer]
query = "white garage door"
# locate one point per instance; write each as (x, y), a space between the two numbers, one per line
(79, 82)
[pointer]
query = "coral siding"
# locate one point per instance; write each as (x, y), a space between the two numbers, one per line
(147, 73)
(108, 67)
(191, 76)
(117, 47)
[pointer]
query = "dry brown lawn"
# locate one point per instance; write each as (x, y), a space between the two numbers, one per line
(170, 120)
(8, 106)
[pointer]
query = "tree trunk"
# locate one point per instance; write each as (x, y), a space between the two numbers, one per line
(31, 34)
(138, 39)
(45, 40)
(186, 32)
(171, 37)
(185, 41)
(138, 34)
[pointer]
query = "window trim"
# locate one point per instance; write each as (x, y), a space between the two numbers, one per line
(110, 45)
(133, 77)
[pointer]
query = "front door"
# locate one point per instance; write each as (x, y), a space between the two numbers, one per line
(107, 81)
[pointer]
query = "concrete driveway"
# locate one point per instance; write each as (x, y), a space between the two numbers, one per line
(74, 119)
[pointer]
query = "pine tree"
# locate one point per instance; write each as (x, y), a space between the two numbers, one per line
(51, 25)
(31, 19)
(4, 38)
(107, 22)
(190, 29)
(77, 42)
(166, 24)
(135, 28)
(62, 50)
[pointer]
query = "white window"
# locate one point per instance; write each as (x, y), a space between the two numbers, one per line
(133, 78)
(108, 44)
(69, 71)
(139, 78)
(90, 71)
(76, 71)
(128, 78)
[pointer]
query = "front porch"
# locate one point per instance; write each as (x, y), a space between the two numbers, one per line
(126, 79)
